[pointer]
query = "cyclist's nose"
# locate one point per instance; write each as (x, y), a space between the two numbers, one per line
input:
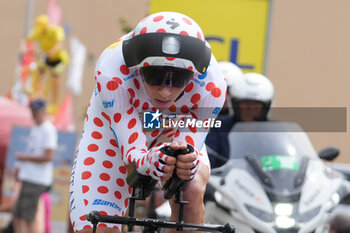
(164, 91)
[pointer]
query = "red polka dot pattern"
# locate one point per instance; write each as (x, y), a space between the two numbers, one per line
(143, 30)
(124, 69)
(122, 169)
(86, 175)
(131, 92)
(199, 36)
(98, 122)
(158, 18)
(137, 83)
(112, 85)
(120, 182)
(133, 137)
(106, 117)
(96, 135)
(184, 109)
(107, 164)
(189, 87)
(117, 80)
(188, 21)
(102, 189)
(216, 92)
(110, 152)
(189, 140)
(132, 123)
(130, 111)
(210, 86)
(117, 117)
(192, 129)
(89, 161)
(113, 142)
(93, 147)
(145, 106)
(155, 133)
(195, 98)
(172, 108)
(117, 194)
(85, 188)
(136, 103)
(105, 176)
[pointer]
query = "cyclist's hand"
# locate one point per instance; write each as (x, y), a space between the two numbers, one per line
(158, 165)
(187, 164)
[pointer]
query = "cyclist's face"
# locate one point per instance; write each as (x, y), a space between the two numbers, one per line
(162, 97)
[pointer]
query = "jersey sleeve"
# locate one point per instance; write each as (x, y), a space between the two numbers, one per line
(118, 101)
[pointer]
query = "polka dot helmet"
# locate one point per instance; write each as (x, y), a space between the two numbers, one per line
(167, 39)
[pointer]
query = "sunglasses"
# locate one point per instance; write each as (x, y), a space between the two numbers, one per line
(167, 76)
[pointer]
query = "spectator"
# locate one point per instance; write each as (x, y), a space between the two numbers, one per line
(35, 168)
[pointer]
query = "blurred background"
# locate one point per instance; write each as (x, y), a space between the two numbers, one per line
(302, 46)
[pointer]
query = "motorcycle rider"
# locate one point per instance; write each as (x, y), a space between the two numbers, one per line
(251, 97)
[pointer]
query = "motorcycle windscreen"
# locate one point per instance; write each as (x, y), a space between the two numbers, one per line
(277, 152)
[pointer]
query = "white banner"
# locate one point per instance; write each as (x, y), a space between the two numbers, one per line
(76, 68)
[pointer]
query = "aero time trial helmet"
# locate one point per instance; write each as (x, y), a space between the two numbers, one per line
(168, 48)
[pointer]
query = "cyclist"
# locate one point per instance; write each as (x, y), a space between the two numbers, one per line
(251, 97)
(152, 70)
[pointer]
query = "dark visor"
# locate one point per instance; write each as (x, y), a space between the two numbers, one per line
(166, 76)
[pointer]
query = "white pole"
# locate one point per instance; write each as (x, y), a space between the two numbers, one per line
(29, 16)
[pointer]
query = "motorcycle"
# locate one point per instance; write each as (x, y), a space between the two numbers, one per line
(274, 182)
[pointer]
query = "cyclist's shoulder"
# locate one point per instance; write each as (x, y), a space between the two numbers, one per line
(112, 71)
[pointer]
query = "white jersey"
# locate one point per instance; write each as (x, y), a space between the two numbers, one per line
(42, 137)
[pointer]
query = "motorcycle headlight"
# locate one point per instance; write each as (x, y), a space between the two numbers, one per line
(284, 222)
(284, 209)
(259, 213)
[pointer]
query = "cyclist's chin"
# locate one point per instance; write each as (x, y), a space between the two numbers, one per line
(162, 104)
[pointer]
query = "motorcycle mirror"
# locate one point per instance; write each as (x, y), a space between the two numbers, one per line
(329, 153)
